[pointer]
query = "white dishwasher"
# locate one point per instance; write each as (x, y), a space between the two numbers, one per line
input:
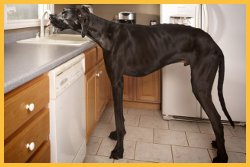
(67, 112)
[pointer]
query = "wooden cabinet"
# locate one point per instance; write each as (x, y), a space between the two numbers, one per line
(148, 88)
(102, 89)
(97, 87)
(142, 92)
(129, 88)
(90, 101)
(26, 122)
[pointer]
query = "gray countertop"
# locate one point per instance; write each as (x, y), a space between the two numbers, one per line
(24, 62)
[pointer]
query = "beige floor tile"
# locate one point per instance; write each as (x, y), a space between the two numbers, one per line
(170, 137)
(153, 152)
(130, 161)
(176, 133)
(188, 154)
(235, 144)
(143, 112)
(183, 126)
(106, 117)
(200, 140)
(158, 113)
(93, 145)
(139, 134)
(103, 130)
(130, 119)
(108, 145)
(207, 128)
(153, 122)
(97, 159)
(110, 108)
(238, 131)
(233, 157)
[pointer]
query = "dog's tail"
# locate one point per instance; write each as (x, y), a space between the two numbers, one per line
(220, 88)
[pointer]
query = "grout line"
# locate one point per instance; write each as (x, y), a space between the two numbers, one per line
(211, 158)
(99, 145)
(187, 139)
(135, 149)
(168, 125)
(172, 153)
(139, 121)
(154, 136)
(199, 128)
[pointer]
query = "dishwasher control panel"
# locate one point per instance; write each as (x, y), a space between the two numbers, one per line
(66, 74)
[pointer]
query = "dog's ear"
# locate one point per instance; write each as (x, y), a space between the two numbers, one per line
(84, 29)
(83, 11)
(83, 16)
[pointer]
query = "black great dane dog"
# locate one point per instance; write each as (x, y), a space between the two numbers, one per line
(137, 50)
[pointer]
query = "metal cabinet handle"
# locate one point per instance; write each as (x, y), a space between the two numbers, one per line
(97, 74)
(30, 107)
(30, 146)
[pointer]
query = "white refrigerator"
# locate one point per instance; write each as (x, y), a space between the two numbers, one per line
(227, 26)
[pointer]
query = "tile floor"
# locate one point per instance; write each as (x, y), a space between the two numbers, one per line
(150, 139)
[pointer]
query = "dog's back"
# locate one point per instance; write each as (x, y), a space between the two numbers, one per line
(148, 48)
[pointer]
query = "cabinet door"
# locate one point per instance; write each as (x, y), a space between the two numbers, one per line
(90, 101)
(148, 88)
(128, 90)
(101, 90)
(90, 59)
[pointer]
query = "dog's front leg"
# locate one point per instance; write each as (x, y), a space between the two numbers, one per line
(117, 88)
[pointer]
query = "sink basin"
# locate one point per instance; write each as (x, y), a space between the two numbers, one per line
(58, 39)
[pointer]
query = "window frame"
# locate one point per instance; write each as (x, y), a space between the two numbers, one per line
(16, 24)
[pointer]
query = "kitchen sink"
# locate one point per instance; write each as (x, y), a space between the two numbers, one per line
(58, 39)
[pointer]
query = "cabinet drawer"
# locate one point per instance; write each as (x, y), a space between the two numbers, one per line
(37, 132)
(42, 155)
(90, 59)
(35, 92)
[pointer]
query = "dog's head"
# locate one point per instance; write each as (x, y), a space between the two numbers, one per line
(72, 18)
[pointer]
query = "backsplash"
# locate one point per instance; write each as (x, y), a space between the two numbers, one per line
(14, 35)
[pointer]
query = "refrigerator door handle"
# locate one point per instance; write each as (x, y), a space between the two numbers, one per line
(205, 11)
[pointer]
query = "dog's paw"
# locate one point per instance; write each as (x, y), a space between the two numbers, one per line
(220, 160)
(117, 153)
(214, 144)
(113, 135)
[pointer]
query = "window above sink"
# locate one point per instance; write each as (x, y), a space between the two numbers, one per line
(24, 15)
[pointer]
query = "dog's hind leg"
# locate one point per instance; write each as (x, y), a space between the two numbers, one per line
(117, 89)
(202, 77)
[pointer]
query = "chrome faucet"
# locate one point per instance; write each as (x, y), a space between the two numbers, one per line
(48, 12)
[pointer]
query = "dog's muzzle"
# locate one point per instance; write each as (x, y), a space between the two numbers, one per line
(58, 22)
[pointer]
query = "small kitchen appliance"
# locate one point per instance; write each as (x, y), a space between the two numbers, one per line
(127, 17)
